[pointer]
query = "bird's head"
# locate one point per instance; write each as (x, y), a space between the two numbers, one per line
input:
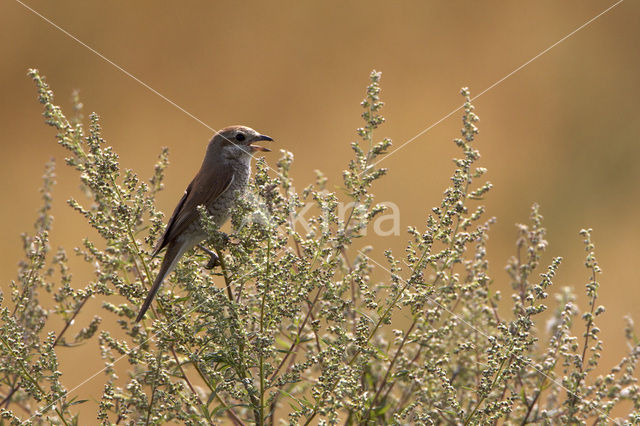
(239, 141)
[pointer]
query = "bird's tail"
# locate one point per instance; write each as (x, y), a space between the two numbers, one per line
(175, 250)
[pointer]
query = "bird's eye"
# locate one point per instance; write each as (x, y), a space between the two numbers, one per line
(239, 137)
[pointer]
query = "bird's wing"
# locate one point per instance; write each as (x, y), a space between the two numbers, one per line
(205, 188)
(164, 240)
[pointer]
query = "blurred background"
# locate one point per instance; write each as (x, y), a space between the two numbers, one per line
(562, 131)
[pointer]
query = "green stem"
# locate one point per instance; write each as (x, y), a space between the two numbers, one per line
(574, 393)
(227, 281)
(304, 322)
(33, 381)
(495, 380)
(234, 417)
(390, 306)
(260, 421)
(297, 338)
(137, 252)
(186, 379)
(61, 416)
(153, 394)
(378, 323)
(388, 372)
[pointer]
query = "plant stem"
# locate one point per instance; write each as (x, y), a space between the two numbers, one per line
(186, 379)
(153, 394)
(378, 323)
(298, 334)
(70, 321)
(495, 380)
(574, 394)
(388, 372)
(33, 381)
(223, 266)
(260, 421)
(7, 399)
(232, 415)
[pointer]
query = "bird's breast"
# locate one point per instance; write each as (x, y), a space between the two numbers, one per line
(220, 208)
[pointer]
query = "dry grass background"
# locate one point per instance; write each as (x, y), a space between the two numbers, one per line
(563, 131)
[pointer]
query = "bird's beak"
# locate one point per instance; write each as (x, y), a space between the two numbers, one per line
(258, 147)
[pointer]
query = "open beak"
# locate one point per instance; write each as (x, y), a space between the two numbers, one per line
(258, 147)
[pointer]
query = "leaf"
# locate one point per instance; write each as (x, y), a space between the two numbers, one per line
(383, 410)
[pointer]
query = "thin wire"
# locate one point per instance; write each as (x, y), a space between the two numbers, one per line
(128, 74)
(136, 347)
(148, 87)
(482, 333)
(422, 132)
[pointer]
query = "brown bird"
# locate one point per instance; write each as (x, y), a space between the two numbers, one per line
(224, 173)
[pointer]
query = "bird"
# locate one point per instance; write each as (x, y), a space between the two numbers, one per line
(224, 173)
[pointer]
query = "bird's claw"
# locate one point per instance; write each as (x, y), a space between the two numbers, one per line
(214, 261)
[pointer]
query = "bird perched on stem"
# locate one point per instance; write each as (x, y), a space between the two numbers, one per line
(224, 173)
